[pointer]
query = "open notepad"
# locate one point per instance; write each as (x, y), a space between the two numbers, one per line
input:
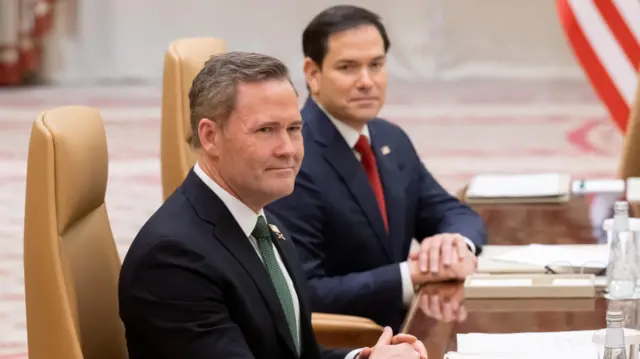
(549, 345)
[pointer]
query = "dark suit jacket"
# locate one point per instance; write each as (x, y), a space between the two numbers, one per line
(333, 217)
(193, 287)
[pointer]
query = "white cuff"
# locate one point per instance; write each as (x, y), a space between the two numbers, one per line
(407, 284)
(472, 246)
(352, 354)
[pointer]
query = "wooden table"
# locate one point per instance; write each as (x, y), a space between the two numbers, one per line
(519, 224)
(442, 311)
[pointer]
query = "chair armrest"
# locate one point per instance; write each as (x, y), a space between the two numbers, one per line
(344, 331)
(461, 194)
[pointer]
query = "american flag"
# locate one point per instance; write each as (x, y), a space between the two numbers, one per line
(605, 37)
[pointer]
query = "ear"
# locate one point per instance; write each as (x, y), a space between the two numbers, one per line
(312, 75)
(209, 132)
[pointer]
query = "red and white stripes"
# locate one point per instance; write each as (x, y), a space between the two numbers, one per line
(605, 37)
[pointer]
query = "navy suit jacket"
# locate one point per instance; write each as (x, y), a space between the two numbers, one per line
(192, 286)
(333, 217)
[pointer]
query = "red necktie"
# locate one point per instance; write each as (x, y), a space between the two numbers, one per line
(369, 163)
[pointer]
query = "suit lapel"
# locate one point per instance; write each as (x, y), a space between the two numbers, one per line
(341, 158)
(285, 251)
(211, 209)
(392, 192)
(232, 237)
(277, 238)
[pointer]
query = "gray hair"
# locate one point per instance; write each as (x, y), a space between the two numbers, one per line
(214, 89)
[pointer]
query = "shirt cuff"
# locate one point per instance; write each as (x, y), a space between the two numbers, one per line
(407, 284)
(471, 245)
(352, 354)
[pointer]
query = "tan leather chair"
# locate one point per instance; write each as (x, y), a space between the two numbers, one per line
(182, 62)
(71, 265)
(630, 161)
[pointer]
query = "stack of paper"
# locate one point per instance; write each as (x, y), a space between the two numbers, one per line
(543, 187)
(550, 345)
(555, 256)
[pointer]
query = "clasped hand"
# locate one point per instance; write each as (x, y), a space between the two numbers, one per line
(442, 257)
(391, 347)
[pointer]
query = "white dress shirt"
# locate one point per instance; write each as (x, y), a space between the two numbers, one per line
(247, 220)
(351, 136)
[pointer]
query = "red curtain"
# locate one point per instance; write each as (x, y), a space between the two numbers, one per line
(23, 25)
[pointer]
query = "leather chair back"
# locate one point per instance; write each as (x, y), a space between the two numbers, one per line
(182, 62)
(71, 265)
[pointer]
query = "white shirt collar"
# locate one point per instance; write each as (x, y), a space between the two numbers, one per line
(246, 218)
(349, 134)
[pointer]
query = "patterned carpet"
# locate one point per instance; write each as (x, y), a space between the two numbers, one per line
(460, 129)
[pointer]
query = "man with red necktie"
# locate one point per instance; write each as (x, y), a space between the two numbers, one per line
(362, 193)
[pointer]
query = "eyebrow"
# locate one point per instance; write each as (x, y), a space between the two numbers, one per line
(277, 123)
(377, 58)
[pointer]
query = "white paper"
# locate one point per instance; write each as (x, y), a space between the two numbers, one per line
(456, 355)
(598, 186)
(633, 189)
(498, 282)
(596, 256)
(566, 345)
(528, 185)
(567, 282)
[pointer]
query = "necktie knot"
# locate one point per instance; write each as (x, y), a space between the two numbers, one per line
(261, 230)
(362, 146)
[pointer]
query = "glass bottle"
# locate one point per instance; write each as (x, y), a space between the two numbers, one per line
(614, 347)
(621, 269)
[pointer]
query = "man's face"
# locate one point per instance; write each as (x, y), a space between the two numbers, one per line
(260, 148)
(352, 82)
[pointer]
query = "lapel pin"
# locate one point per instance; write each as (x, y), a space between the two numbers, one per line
(385, 150)
(276, 230)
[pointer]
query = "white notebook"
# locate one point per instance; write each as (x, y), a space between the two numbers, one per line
(548, 345)
(518, 185)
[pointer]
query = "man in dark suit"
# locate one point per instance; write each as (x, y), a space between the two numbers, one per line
(211, 274)
(363, 193)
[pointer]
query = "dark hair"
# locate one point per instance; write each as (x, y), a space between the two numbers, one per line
(214, 89)
(315, 37)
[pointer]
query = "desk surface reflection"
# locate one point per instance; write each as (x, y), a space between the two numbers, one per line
(441, 311)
